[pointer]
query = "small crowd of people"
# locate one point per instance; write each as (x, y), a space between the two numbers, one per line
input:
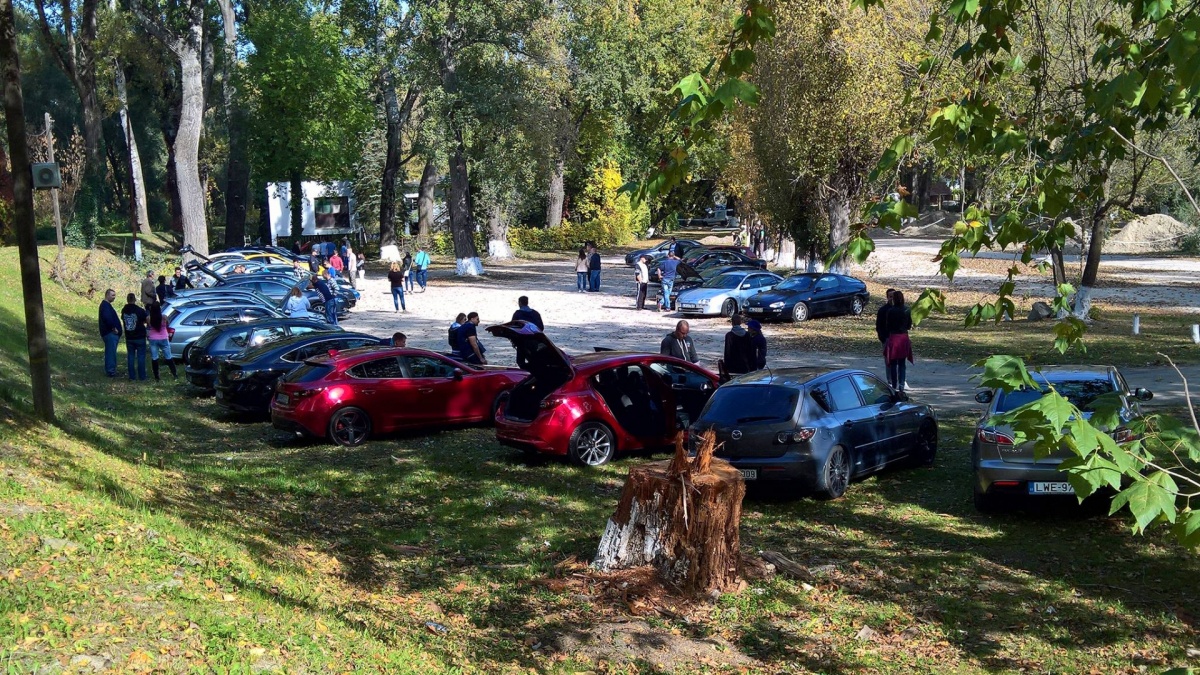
(463, 335)
(142, 326)
(404, 273)
(341, 260)
(745, 349)
(587, 269)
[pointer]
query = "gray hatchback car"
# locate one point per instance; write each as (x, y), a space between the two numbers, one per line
(1005, 471)
(188, 321)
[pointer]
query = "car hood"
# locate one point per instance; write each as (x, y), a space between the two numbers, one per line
(535, 351)
(767, 297)
(702, 294)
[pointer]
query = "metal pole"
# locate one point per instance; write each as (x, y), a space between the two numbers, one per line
(58, 264)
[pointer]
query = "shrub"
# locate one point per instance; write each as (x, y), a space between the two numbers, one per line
(608, 218)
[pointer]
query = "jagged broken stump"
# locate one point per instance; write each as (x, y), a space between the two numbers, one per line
(683, 517)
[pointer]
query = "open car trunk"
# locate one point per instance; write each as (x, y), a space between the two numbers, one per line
(548, 368)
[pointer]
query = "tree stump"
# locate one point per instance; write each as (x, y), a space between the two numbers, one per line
(683, 517)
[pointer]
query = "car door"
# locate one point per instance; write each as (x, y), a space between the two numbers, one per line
(381, 389)
(858, 424)
(894, 421)
(689, 390)
(437, 396)
(824, 295)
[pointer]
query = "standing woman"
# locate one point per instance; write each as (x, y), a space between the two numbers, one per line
(898, 349)
(160, 341)
(406, 267)
(396, 278)
(581, 271)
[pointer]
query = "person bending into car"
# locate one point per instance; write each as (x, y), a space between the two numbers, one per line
(679, 344)
(525, 313)
(470, 349)
(322, 287)
(898, 349)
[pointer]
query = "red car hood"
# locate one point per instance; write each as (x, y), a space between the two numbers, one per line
(535, 352)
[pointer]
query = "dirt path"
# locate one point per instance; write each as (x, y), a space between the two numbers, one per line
(579, 322)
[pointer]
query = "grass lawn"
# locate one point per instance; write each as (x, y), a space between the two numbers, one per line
(150, 530)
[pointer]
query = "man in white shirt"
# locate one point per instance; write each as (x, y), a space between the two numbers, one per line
(642, 277)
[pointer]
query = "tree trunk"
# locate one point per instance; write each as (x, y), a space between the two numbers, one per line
(554, 211)
(681, 516)
(31, 276)
(462, 226)
(497, 234)
(139, 216)
(187, 150)
(237, 169)
(296, 204)
(172, 187)
(785, 255)
(425, 201)
(8, 233)
(396, 115)
(1091, 270)
(837, 209)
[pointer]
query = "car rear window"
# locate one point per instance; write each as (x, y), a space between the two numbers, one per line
(308, 372)
(751, 403)
(1081, 393)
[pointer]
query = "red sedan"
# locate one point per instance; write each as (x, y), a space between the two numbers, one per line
(348, 396)
(590, 407)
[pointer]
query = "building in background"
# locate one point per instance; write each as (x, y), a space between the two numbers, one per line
(328, 210)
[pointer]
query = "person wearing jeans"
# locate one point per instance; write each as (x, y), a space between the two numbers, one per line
(159, 337)
(581, 271)
(328, 298)
(666, 272)
(406, 266)
(594, 270)
(422, 264)
(110, 332)
(396, 278)
(133, 319)
(898, 348)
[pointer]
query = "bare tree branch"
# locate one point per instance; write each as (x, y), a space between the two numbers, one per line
(1191, 200)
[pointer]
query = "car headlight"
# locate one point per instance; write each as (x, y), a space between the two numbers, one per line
(776, 305)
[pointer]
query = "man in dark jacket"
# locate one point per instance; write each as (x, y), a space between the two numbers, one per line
(754, 328)
(739, 356)
(470, 349)
(322, 287)
(524, 313)
(163, 290)
(679, 344)
(110, 332)
(594, 269)
(180, 280)
(133, 320)
(458, 322)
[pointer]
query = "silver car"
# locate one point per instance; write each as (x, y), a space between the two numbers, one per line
(1005, 471)
(192, 319)
(726, 294)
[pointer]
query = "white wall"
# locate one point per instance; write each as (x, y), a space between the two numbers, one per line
(279, 206)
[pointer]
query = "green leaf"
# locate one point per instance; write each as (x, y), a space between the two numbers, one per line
(899, 149)
(735, 89)
(1187, 529)
(950, 264)
(931, 299)
(962, 10)
(860, 247)
(737, 62)
(1002, 371)
(935, 29)
(1055, 408)
(1148, 499)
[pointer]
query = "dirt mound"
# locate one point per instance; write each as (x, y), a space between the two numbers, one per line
(88, 272)
(713, 240)
(1156, 233)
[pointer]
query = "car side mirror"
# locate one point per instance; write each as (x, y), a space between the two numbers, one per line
(1143, 394)
(984, 396)
(457, 375)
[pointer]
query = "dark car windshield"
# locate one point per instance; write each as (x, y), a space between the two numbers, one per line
(1081, 393)
(742, 404)
(725, 281)
(308, 372)
(795, 284)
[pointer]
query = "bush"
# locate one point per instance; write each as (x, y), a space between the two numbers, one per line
(608, 218)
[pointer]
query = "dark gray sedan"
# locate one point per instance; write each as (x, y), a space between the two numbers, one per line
(1006, 471)
(823, 427)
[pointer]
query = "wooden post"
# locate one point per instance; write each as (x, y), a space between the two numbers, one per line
(683, 517)
(58, 263)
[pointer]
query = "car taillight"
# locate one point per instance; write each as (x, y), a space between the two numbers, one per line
(305, 393)
(993, 436)
(170, 332)
(1123, 435)
(801, 435)
(552, 402)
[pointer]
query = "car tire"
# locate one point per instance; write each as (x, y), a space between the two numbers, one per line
(350, 427)
(729, 307)
(925, 448)
(800, 312)
(856, 306)
(186, 349)
(592, 444)
(834, 475)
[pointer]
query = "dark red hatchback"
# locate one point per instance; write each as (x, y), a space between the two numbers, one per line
(349, 396)
(590, 407)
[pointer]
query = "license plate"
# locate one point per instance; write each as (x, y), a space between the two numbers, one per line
(754, 310)
(1048, 488)
(690, 306)
(749, 474)
(282, 399)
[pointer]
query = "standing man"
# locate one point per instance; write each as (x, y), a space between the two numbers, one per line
(756, 239)
(881, 323)
(322, 287)
(524, 313)
(641, 275)
(163, 290)
(469, 347)
(739, 356)
(421, 262)
(180, 280)
(593, 269)
(336, 263)
(679, 344)
(754, 328)
(148, 295)
(666, 276)
(134, 320)
(110, 332)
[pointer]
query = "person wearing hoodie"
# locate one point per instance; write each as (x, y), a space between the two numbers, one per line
(110, 332)
(739, 353)
(754, 328)
(458, 322)
(133, 319)
(160, 341)
(327, 297)
(163, 290)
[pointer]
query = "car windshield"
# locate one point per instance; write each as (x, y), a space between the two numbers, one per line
(725, 281)
(1081, 393)
(743, 404)
(796, 283)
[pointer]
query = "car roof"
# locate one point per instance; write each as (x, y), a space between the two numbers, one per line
(272, 321)
(348, 358)
(297, 340)
(589, 363)
(797, 376)
(1067, 373)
